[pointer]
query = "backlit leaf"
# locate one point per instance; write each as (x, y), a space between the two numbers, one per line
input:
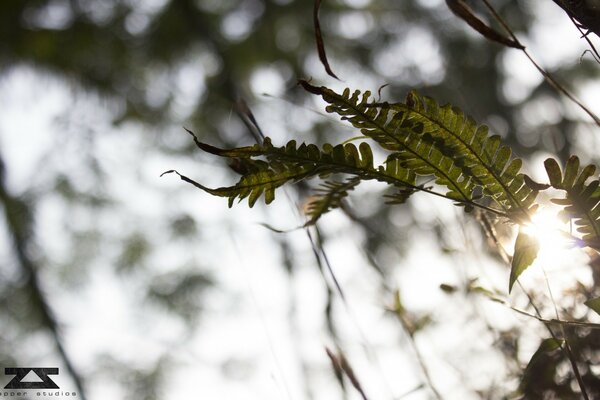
(526, 250)
(594, 304)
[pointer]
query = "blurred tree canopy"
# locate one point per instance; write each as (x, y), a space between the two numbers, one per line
(150, 66)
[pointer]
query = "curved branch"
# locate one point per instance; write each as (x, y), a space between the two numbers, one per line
(18, 217)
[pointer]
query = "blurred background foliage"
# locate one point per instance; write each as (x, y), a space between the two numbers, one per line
(90, 210)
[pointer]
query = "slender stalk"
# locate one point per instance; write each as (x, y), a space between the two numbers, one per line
(17, 215)
(549, 78)
(418, 356)
(577, 324)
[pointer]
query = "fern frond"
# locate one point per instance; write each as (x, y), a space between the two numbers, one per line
(266, 167)
(329, 196)
(582, 201)
(439, 141)
(490, 162)
(382, 124)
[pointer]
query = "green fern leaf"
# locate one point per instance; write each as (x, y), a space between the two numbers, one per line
(382, 124)
(440, 141)
(266, 167)
(489, 162)
(582, 201)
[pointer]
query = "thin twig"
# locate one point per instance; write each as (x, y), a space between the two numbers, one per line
(584, 35)
(261, 316)
(20, 227)
(387, 288)
(577, 324)
(549, 78)
(418, 355)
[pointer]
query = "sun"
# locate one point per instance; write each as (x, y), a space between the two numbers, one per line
(553, 235)
(560, 254)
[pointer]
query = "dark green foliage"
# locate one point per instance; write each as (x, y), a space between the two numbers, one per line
(547, 374)
(136, 249)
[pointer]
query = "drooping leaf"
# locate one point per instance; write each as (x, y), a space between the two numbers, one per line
(463, 11)
(594, 304)
(526, 249)
(319, 39)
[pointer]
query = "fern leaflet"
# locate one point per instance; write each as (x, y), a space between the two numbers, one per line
(328, 197)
